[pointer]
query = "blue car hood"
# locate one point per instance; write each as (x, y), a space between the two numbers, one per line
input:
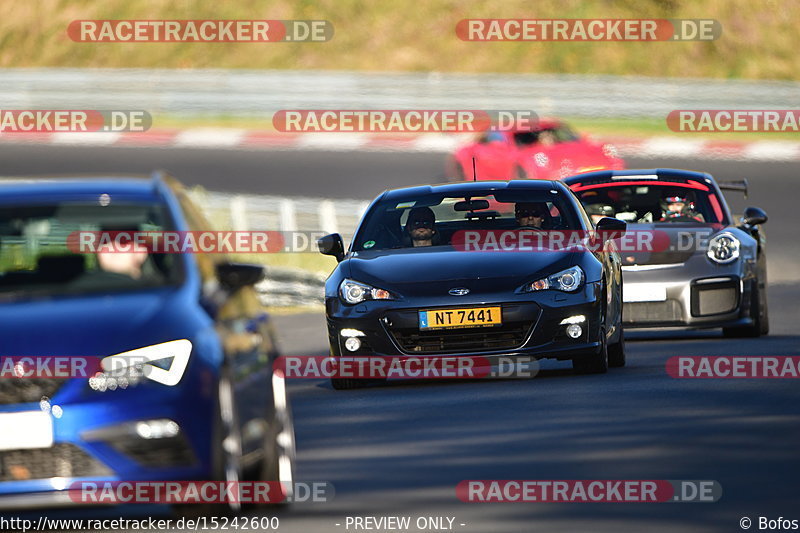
(94, 325)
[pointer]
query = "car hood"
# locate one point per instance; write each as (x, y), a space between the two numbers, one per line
(672, 243)
(418, 271)
(93, 325)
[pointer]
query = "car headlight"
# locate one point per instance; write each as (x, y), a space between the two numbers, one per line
(723, 248)
(163, 363)
(568, 280)
(353, 292)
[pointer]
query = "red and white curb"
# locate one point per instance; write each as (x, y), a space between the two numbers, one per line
(241, 139)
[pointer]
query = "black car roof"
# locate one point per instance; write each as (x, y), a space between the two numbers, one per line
(476, 188)
(670, 174)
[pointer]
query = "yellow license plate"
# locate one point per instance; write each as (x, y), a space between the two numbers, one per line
(468, 317)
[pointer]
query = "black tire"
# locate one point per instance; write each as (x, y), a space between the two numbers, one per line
(757, 312)
(597, 363)
(616, 351)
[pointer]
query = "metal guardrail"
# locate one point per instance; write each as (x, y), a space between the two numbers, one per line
(242, 212)
(283, 287)
(261, 93)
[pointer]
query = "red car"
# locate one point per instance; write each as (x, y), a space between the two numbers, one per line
(550, 150)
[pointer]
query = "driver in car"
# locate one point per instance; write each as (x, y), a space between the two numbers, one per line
(421, 226)
(677, 207)
(530, 214)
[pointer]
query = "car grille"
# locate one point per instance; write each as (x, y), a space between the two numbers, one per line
(668, 311)
(507, 336)
(26, 390)
(62, 460)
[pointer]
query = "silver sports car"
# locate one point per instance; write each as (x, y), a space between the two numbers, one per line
(691, 264)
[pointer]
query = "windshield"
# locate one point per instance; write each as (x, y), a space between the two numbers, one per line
(432, 220)
(35, 258)
(647, 202)
(545, 136)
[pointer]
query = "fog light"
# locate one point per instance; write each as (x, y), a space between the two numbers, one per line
(352, 344)
(157, 429)
(574, 331)
(350, 332)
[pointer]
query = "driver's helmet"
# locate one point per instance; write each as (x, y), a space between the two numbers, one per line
(676, 199)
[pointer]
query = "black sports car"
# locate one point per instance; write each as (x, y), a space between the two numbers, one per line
(408, 285)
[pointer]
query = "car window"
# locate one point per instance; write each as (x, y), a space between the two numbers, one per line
(563, 133)
(35, 256)
(545, 136)
(648, 202)
(386, 225)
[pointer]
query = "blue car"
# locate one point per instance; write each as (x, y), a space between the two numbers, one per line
(209, 408)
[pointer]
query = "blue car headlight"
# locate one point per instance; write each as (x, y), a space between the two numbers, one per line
(569, 280)
(163, 363)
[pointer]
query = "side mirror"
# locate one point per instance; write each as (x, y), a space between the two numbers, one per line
(233, 276)
(611, 228)
(331, 245)
(754, 216)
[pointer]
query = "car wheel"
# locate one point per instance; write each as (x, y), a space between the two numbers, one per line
(596, 364)
(756, 311)
(616, 352)
(279, 445)
(226, 449)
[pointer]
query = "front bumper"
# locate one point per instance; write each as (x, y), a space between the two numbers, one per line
(531, 326)
(95, 439)
(695, 294)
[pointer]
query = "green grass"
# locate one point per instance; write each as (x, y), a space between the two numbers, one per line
(757, 42)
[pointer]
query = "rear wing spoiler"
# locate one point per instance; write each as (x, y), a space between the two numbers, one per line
(738, 185)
